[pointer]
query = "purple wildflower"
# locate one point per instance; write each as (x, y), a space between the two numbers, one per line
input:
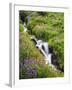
(28, 61)
(29, 69)
(31, 73)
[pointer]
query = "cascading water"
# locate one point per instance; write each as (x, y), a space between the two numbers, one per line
(25, 28)
(42, 46)
(46, 47)
(24, 24)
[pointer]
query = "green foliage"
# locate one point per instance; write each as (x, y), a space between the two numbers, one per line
(27, 51)
(50, 27)
(47, 26)
(44, 72)
(20, 21)
(58, 49)
(22, 15)
(21, 28)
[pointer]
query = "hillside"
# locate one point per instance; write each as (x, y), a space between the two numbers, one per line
(49, 27)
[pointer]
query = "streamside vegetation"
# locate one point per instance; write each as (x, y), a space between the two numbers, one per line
(49, 27)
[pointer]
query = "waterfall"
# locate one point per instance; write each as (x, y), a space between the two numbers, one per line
(46, 47)
(24, 24)
(42, 46)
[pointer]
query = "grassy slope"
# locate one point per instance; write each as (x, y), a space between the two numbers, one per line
(48, 27)
(32, 64)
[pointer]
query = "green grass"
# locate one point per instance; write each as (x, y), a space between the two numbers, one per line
(49, 27)
(21, 28)
(28, 50)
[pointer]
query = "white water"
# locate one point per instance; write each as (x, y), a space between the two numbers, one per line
(46, 47)
(25, 28)
(42, 46)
